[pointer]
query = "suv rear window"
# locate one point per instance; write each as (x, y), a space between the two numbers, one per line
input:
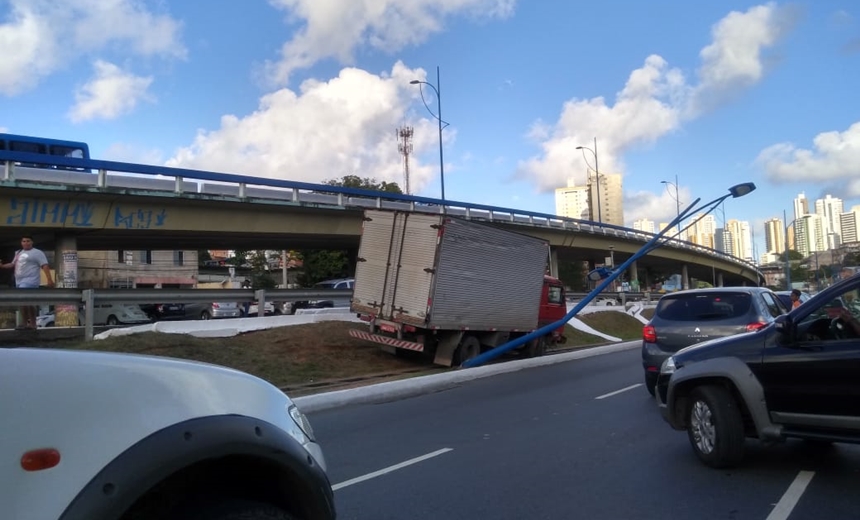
(701, 307)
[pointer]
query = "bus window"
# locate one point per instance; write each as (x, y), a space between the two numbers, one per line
(22, 146)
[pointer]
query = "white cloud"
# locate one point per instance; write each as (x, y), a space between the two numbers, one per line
(656, 99)
(111, 93)
(659, 207)
(734, 60)
(325, 131)
(835, 159)
(334, 28)
(48, 36)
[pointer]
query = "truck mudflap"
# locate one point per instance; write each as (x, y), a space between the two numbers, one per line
(385, 340)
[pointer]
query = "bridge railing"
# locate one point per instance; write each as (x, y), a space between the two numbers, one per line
(91, 297)
(168, 181)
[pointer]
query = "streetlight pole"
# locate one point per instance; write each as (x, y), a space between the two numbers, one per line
(677, 199)
(436, 88)
(787, 261)
(596, 175)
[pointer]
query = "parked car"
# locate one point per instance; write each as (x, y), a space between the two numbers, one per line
(116, 314)
(164, 311)
(785, 298)
(207, 311)
(175, 439)
(794, 378)
(322, 303)
(684, 318)
(254, 309)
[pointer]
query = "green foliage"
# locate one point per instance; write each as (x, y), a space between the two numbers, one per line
(793, 256)
(322, 264)
(572, 275)
(203, 255)
(851, 259)
(354, 181)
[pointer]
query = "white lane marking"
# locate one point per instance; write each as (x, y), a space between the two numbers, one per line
(389, 469)
(785, 505)
(626, 388)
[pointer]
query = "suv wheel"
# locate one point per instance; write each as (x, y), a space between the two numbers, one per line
(715, 427)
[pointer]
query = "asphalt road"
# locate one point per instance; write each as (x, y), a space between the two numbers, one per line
(571, 440)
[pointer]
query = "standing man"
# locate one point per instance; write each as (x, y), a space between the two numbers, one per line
(795, 298)
(27, 263)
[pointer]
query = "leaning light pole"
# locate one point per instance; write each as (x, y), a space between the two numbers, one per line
(609, 275)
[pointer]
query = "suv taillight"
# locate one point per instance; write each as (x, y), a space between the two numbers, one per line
(649, 334)
(752, 327)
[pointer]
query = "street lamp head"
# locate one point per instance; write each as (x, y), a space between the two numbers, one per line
(739, 190)
(580, 147)
(664, 182)
(414, 82)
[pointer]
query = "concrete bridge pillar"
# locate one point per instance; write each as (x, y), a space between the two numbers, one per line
(633, 275)
(553, 262)
(66, 275)
(685, 277)
(719, 279)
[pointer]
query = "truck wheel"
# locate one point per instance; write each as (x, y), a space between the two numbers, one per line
(469, 348)
(536, 347)
(112, 320)
(715, 427)
(232, 509)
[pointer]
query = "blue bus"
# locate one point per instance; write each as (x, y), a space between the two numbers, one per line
(44, 146)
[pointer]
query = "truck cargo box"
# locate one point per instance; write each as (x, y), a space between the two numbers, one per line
(443, 272)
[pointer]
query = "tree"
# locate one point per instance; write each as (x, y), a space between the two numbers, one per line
(572, 275)
(354, 181)
(325, 264)
(260, 277)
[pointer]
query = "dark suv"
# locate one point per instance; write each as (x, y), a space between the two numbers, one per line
(795, 378)
(685, 318)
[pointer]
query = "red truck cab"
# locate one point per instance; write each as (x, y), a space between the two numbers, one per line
(553, 306)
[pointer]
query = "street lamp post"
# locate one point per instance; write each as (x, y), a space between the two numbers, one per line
(436, 88)
(596, 175)
(677, 199)
(609, 275)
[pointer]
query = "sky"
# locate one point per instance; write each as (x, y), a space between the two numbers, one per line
(715, 93)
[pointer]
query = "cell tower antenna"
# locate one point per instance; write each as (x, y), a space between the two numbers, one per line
(404, 146)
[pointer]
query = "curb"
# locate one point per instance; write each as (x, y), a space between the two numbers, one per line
(404, 388)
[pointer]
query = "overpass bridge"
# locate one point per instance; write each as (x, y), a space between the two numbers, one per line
(81, 204)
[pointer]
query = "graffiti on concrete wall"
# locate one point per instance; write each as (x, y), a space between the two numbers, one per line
(82, 214)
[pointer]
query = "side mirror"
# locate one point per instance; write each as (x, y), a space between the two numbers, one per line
(784, 327)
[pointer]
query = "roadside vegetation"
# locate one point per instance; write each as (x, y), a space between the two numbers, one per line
(318, 356)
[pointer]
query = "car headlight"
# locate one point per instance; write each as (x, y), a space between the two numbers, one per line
(301, 420)
(668, 366)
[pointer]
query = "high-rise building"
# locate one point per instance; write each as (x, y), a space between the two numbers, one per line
(774, 236)
(801, 206)
(572, 202)
(611, 201)
(830, 209)
(723, 241)
(809, 234)
(643, 224)
(741, 238)
(850, 223)
(702, 231)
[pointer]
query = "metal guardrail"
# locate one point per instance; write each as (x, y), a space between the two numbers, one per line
(91, 297)
(66, 171)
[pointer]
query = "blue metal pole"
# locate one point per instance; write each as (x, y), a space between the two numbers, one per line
(644, 250)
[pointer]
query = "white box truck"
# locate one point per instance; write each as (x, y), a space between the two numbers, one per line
(450, 287)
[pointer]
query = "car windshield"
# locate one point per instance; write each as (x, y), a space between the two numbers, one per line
(701, 307)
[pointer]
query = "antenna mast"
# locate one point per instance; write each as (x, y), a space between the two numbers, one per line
(404, 146)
